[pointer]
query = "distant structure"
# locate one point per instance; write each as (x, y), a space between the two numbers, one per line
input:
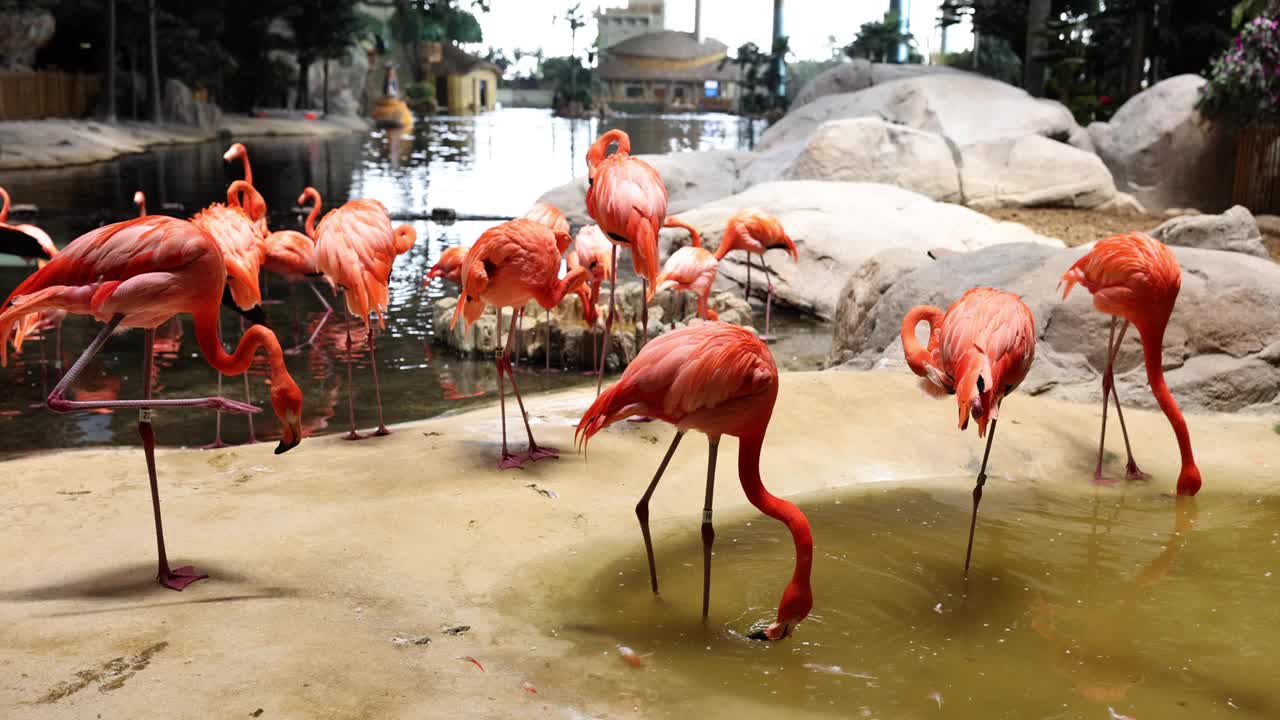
(615, 25)
(463, 82)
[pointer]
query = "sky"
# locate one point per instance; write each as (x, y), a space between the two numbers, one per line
(527, 24)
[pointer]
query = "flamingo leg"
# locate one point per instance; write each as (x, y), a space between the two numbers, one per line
(297, 321)
(58, 402)
(536, 452)
(328, 310)
(172, 578)
(642, 509)
(546, 343)
(57, 348)
(351, 402)
(507, 461)
(708, 532)
(377, 391)
(644, 312)
(217, 423)
(747, 294)
(1132, 472)
(768, 301)
(608, 322)
(248, 399)
(977, 495)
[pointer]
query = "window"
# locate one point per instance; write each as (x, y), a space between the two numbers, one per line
(635, 91)
(711, 88)
(679, 92)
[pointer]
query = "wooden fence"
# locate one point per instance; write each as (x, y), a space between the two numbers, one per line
(35, 95)
(1257, 181)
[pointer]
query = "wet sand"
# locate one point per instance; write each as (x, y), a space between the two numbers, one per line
(322, 556)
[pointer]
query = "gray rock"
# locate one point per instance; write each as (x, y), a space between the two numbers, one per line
(691, 178)
(1123, 204)
(181, 107)
(837, 225)
(1234, 230)
(1268, 223)
(23, 31)
(859, 75)
(1217, 350)
(871, 150)
(1159, 148)
(1033, 171)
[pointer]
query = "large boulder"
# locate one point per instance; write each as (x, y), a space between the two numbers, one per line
(859, 75)
(182, 107)
(691, 178)
(23, 31)
(1221, 350)
(1033, 171)
(837, 225)
(1234, 230)
(348, 76)
(871, 150)
(1159, 148)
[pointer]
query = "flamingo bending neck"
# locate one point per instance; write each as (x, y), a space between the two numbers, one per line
(798, 595)
(208, 336)
(600, 148)
(1153, 355)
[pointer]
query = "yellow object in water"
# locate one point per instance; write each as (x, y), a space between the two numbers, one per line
(392, 112)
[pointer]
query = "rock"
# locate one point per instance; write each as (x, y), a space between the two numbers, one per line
(859, 75)
(23, 31)
(837, 225)
(1268, 223)
(1033, 171)
(1080, 140)
(348, 76)
(1216, 350)
(1123, 204)
(181, 107)
(1234, 230)
(1159, 148)
(871, 150)
(962, 107)
(692, 178)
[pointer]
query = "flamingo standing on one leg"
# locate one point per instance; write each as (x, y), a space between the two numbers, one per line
(756, 231)
(509, 265)
(550, 216)
(626, 198)
(593, 251)
(1136, 278)
(980, 351)
(292, 255)
(356, 247)
(718, 379)
(140, 273)
(691, 268)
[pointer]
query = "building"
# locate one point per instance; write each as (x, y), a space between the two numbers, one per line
(463, 82)
(614, 25)
(669, 71)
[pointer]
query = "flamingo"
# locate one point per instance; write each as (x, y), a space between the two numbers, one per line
(356, 247)
(718, 379)
(140, 273)
(626, 198)
(692, 268)
(140, 201)
(23, 240)
(980, 351)
(550, 216)
(756, 231)
(509, 265)
(292, 255)
(243, 252)
(258, 210)
(1136, 278)
(449, 266)
(592, 250)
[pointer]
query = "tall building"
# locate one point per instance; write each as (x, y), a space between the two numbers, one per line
(615, 25)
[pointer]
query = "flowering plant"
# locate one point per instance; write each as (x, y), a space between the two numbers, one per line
(1245, 80)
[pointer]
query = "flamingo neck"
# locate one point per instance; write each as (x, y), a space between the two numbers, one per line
(726, 245)
(1153, 355)
(311, 218)
(784, 511)
(209, 338)
(248, 172)
(919, 357)
(4, 205)
(600, 148)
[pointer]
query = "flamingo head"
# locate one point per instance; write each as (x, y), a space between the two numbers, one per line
(309, 195)
(472, 307)
(589, 312)
(140, 201)
(243, 283)
(286, 400)
(976, 391)
(1189, 480)
(783, 242)
(246, 197)
(563, 240)
(233, 153)
(797, 601)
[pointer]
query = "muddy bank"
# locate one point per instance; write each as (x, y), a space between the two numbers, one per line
(52, 143)
(331, 563)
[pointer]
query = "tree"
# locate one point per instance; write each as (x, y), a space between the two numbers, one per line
(879, 41)
(573, 16)
(1033, 68)
(323, 31)
(111, 60)
(416, 21)
(156, 116)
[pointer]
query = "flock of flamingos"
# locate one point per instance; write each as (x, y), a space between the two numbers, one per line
(713, 377)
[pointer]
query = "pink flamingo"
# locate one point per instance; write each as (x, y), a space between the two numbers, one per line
(980, 351)
(140, 273)
(509, 265)
(257, 210)
(718, 379)
(23, 240)
(292, 255)
(593, 251)
(550, 216)
(626, 198)
(449, 266)
(691, 268)
(755, 232)
(355, 248)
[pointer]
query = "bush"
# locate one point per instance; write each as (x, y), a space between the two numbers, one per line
(995, 60)
(1244, 82)
(420, 92)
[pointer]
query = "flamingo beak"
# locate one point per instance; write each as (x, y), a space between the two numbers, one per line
(775, 631)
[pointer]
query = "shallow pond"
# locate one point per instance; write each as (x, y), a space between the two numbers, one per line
(489, 166)
(1117, 606)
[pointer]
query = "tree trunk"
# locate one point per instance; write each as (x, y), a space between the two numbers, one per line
(111, 61)
(325, 97)
(1135, 68)
(156, 116)
(132, 53)
(1033, 68)
(304, 69)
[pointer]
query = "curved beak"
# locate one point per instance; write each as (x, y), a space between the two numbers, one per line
(775, 631)
(290, 438)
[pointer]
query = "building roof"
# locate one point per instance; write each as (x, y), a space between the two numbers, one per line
(456, 61)
(669, 45)
(612, 69)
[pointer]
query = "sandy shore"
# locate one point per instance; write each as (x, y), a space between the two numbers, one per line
(320, 557)
(55, 143)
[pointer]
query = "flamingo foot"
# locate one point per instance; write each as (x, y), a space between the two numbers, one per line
(538, 452)
(353, 435)
(768, 339)
(511, 462)
(1102, 480)
(178, 579)
(382, 430)
(215, 445)
(1132, 472)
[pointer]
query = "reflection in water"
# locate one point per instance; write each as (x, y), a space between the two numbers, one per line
(495, 164)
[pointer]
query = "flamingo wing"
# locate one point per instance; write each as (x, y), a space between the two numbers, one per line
(356, 247)
(629, 202)
(1129, 275)
(686, 267)
(242, 250)
(290, 253)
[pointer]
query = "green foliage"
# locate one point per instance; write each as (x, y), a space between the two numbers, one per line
(1244, 82)
(758, 78)
(420, 92)
(879, 41)
(572, 81)
(436, 21)
(1247, 10)
(995, 60)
